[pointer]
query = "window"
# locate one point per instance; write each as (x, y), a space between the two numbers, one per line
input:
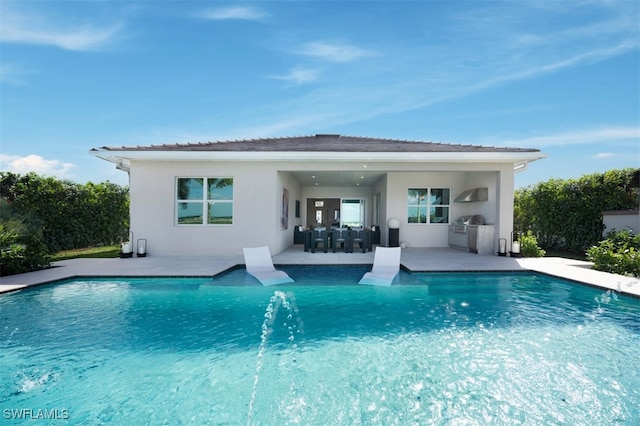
(352, 212)
(428, 205)
(205, 201)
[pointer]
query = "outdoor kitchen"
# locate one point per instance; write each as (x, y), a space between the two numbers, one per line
(470, 232)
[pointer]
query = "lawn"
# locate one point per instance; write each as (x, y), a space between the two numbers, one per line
(91, 252)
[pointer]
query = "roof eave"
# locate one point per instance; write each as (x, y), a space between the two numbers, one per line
(119, 157)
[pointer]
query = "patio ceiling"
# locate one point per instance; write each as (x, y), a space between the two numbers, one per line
(337, 178)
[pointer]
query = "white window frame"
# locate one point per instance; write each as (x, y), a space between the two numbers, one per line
(203, 200)
(428, 206)
(361, 211)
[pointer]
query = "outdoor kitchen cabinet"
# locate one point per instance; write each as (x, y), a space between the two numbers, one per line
(481, 239)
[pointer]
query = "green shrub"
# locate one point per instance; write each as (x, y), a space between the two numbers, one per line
(21, 249)
(529, 246)
(618, 254)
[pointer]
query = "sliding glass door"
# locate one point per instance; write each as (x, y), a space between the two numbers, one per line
(352, 212)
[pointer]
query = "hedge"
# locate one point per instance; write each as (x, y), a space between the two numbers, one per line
(567, 214)
(71, 215)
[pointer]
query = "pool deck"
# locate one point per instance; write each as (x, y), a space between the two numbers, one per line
(413, 259)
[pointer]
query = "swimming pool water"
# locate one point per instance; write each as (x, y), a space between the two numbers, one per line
(439, 348)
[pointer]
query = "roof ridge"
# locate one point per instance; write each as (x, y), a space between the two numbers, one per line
(317, 135)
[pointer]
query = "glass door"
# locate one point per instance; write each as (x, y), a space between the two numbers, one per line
(323, 212)
(352, 212)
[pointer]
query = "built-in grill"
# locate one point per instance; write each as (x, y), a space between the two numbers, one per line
(461, 224)
(459, 231)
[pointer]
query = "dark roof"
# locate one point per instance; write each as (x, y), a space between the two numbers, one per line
(320, 143)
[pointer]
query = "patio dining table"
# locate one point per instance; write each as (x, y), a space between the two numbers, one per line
(365, 237)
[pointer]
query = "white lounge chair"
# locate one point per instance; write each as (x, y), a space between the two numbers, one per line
(386, 265)
(260, 265)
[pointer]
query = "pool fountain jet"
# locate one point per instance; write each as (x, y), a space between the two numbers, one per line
(286, 301)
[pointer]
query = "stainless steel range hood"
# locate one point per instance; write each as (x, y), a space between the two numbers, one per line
(471, 195)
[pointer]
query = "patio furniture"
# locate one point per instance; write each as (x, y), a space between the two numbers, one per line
(386, 265)
(340, 237)
(298, 235)
(375, 234)
(361, 237)
(260, 265)
(319, 237)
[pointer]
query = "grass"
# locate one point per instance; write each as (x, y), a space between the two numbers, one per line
(91, 252)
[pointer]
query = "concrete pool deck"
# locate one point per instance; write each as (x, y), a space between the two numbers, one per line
(414, 259)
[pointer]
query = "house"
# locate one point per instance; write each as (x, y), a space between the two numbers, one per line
(215, 198)
(620, 220)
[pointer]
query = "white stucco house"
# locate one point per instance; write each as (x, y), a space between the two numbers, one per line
(215, 198)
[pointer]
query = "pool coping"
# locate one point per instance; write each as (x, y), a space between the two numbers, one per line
(413, 259)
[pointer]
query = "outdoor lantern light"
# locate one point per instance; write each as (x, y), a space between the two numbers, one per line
(142, 247)
(126, 250)
(515, 244)
(502, 247)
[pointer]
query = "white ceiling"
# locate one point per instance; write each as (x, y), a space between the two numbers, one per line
(337, 178)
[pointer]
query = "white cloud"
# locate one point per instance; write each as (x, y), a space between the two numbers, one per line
(35, 163)
(13, 74)
(238, 12)
(20, 27)
(413, 86)
(334, 52)
(604, 155)
(299, 76)
(595, 55)
(591, 136)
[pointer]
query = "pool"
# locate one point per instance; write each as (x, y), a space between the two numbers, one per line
(439, 348)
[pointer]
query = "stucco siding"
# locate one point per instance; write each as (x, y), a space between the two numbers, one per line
(419, 235)
(504, 204)
(257, 202)
(499, 184)
(153, 208)
(381, 188)
(284, 237)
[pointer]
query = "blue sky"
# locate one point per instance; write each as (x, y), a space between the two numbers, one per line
(560, 76)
